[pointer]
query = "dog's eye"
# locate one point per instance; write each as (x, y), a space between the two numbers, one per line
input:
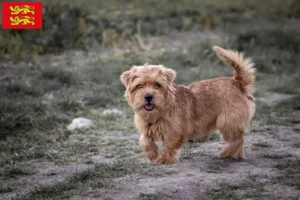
(157, 85)
(138, 86)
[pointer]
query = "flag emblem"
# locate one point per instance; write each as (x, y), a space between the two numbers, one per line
(22, 15)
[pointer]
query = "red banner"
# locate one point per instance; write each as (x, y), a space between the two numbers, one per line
(22, 15)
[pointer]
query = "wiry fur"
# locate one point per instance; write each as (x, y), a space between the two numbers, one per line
(182, 113)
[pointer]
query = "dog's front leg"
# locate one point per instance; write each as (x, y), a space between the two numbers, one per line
(149, 147)
(170, 151)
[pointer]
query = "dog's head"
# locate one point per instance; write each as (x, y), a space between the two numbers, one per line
(149, 88)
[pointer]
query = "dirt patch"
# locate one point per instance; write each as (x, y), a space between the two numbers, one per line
(198, 175)
(288, 134)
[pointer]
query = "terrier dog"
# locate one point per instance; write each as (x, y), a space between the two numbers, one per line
(175, 113)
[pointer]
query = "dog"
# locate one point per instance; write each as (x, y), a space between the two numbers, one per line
(174, 114)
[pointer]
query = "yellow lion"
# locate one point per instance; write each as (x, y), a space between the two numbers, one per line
(21, 9)
(23, 20)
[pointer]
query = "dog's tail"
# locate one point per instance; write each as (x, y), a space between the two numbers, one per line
(244, 71)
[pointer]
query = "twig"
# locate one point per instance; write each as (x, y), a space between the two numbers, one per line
(141, 43)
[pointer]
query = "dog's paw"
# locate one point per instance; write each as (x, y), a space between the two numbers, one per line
(236, 156)
(153, 155)
(164, 160)
(223, 155)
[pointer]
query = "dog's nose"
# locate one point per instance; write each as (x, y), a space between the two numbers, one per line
(148, 97)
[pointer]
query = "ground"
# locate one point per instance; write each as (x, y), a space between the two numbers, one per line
(41, 159)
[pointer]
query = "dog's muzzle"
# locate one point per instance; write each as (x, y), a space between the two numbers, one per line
(148, 98)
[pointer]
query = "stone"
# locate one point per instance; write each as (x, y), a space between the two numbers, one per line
(79, 123)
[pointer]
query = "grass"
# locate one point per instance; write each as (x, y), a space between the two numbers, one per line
(188, 153)
(290, 171)
(85, 182)
(11, 171)
(284, 113)
(5, 189)
(22, 106)
(287, 112)
(224, 192)
(98, 177)
(250, 189)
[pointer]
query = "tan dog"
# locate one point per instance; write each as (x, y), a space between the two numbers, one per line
(174, 113)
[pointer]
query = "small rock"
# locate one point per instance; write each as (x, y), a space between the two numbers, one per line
(79, 123)
(112, 112)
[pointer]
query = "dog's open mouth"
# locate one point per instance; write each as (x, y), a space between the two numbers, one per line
(149, 106)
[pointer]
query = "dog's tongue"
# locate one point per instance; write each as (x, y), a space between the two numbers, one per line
(149, 106)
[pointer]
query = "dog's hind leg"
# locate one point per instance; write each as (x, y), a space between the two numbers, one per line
(149, 147)
(235, 149)
(233, 134)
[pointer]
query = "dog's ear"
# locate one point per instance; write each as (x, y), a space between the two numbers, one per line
(170, 74)
(125, 78)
